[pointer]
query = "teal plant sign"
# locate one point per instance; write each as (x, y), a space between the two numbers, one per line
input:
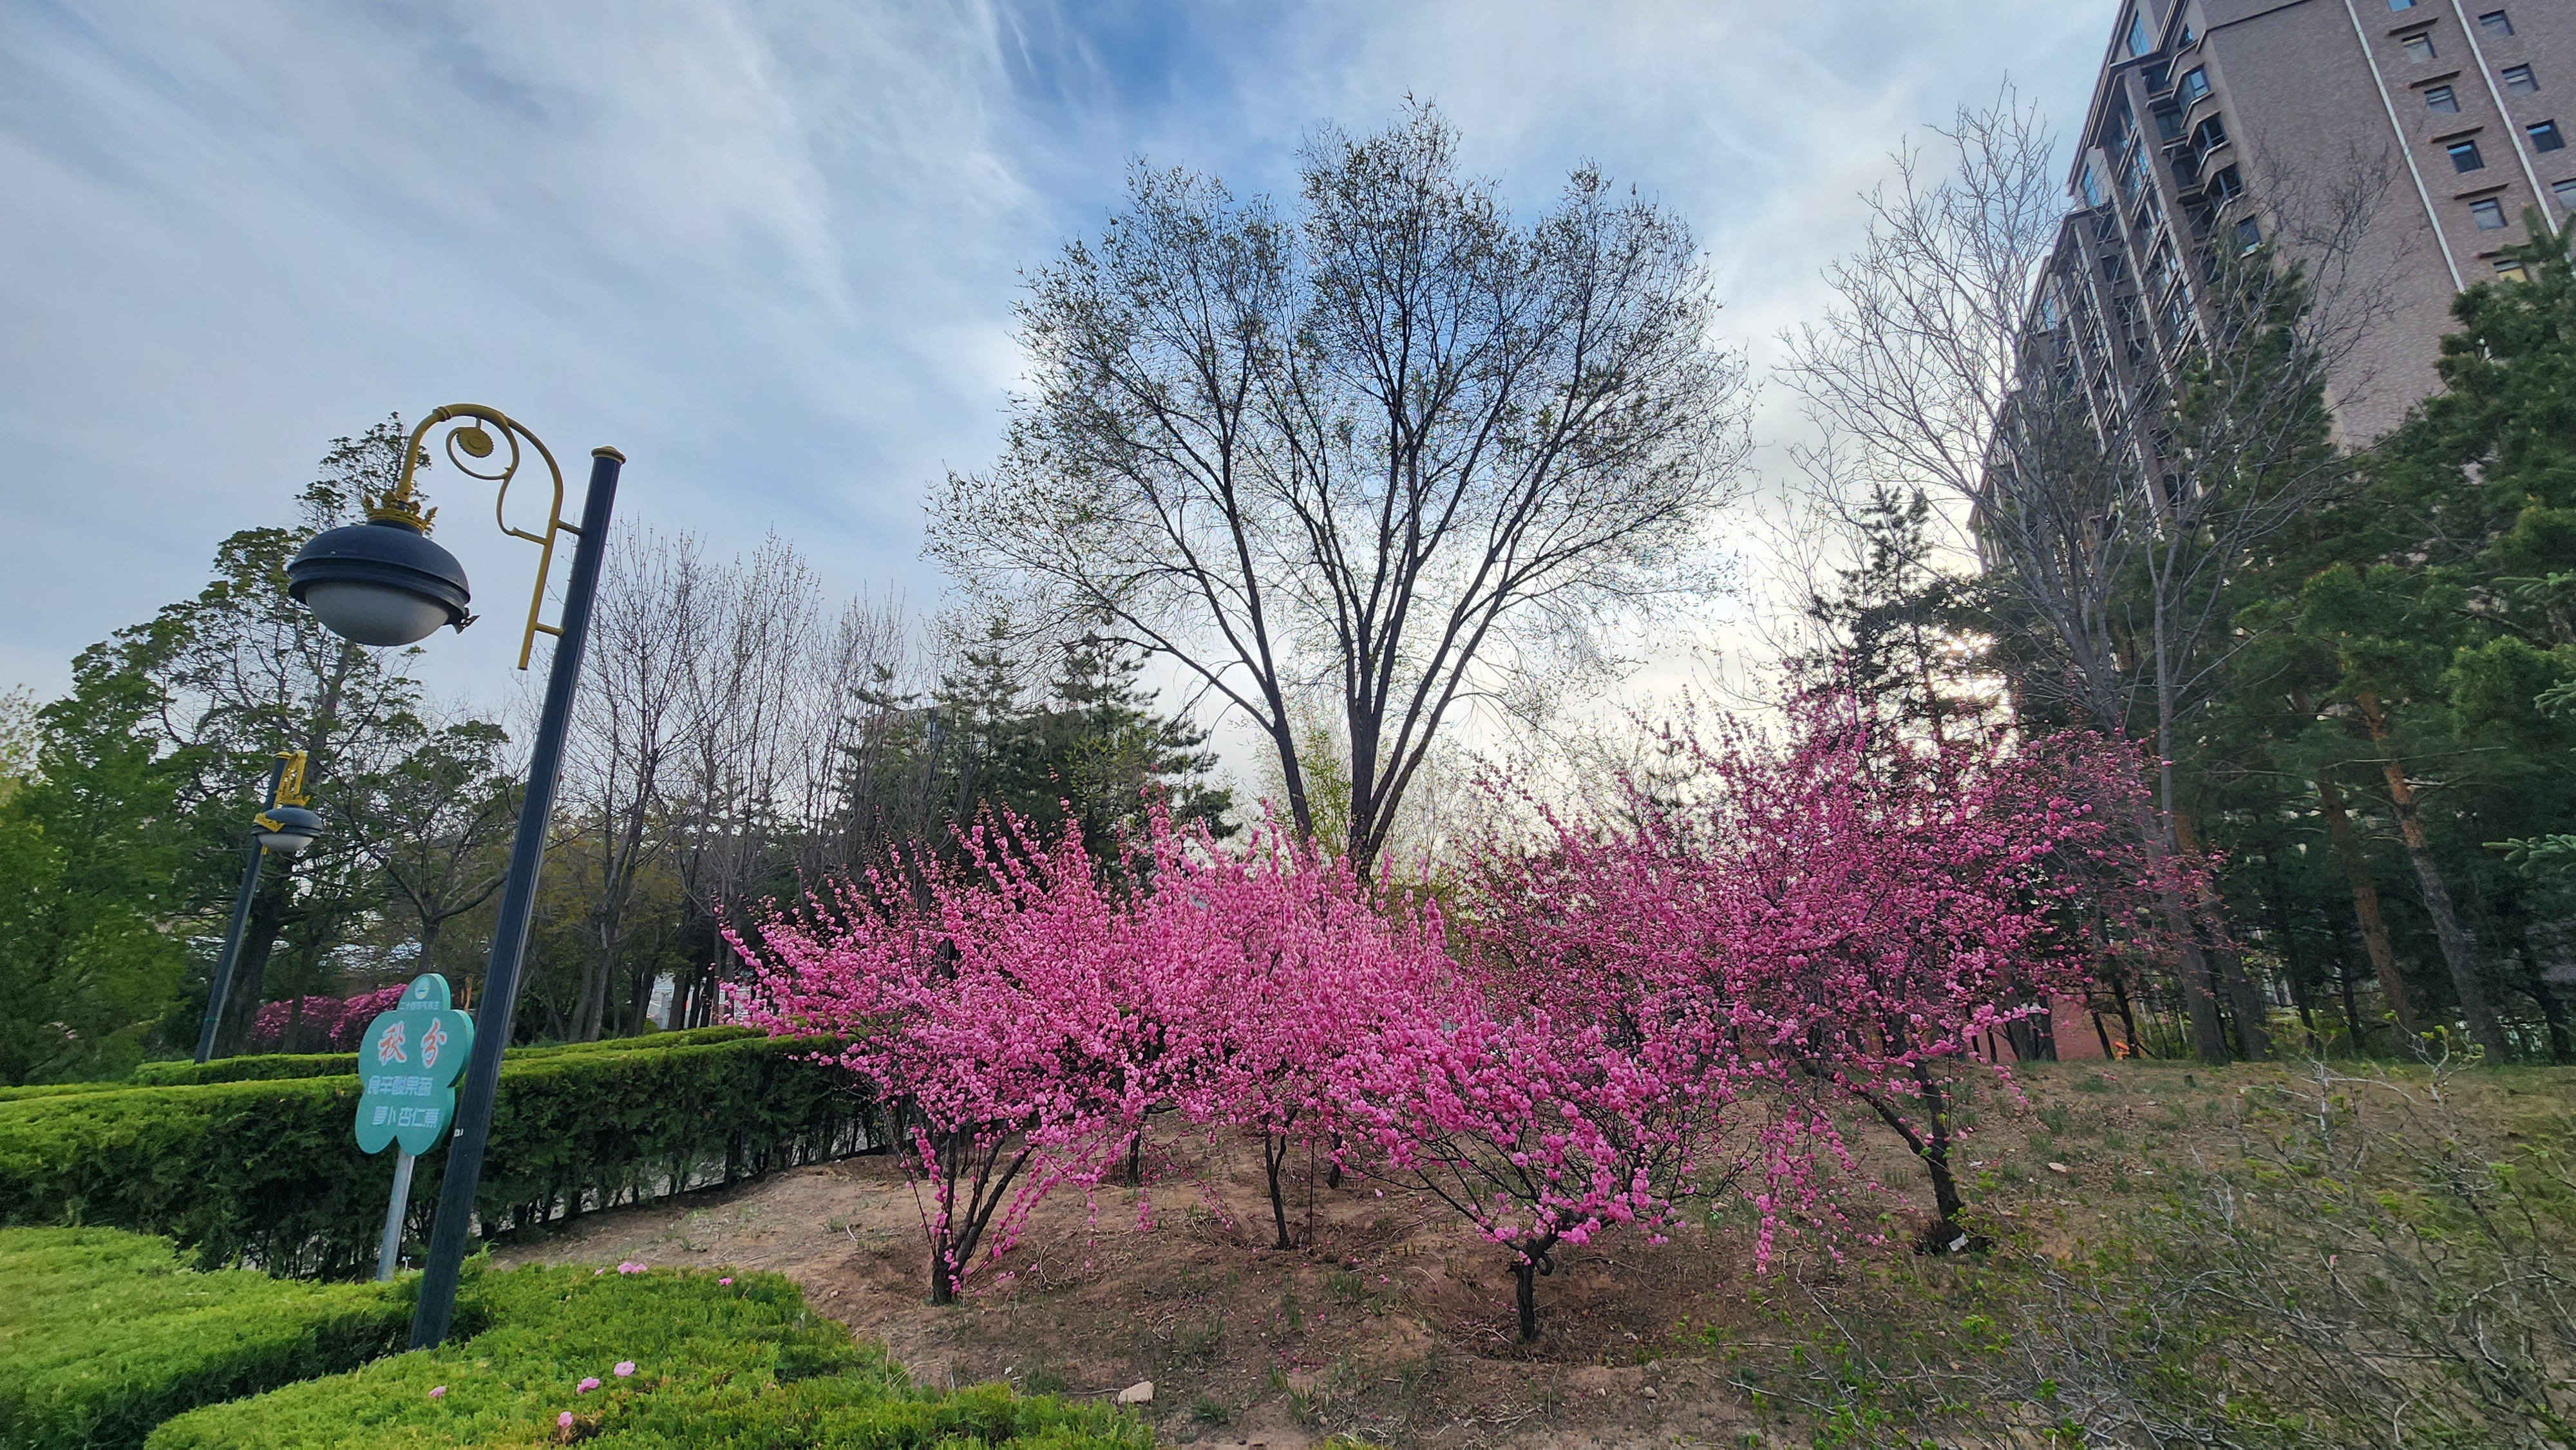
(408, 1063)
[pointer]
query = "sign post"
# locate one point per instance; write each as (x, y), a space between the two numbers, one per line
(408, 1063)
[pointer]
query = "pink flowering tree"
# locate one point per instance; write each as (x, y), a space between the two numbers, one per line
(1856, 905)
(1301, 983)
(994, 1016)
(1542, 1126)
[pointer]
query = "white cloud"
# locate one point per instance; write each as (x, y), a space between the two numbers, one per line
(770, 249)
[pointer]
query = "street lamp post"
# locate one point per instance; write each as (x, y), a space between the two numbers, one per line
(284, 826)
(384, 583)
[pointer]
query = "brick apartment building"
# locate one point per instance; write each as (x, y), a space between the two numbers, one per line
(2210, 116)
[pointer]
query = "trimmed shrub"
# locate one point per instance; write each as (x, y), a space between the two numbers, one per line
(59, 1090)
(103, 1335)
(270, 1067)
(269, 1173)
(745, 1365)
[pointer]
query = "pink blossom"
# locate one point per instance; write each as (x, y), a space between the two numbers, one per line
(1699, 988)
(588, 1383)
(623, 1368)
(564, 1420)
(725, 1283)
(438, 1392)
(630, 1267)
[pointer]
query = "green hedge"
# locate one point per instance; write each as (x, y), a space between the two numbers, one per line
(744, 1365)
(269, 1173)
(59, 1089)
(270, 1067)
(103, 1335)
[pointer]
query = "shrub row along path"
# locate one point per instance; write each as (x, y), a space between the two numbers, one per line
(1392, 1322)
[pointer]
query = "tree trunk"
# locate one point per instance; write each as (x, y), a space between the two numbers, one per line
(2276, 896)
(1274, 1154)
(2561, 1049)
(1934, 1150)
(2253, 1036)
(1525, 1296)
(592, 1005)
(2351, 1007)
(2209, 1034)
(2365, 905)
(2459, 952)
(2128, 1016)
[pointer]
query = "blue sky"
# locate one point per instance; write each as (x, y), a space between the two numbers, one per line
(769, 250)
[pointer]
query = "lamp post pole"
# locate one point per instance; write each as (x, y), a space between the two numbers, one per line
(223, 983)
(492, 1014)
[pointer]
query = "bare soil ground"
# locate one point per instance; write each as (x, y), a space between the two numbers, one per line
(1389, 1321)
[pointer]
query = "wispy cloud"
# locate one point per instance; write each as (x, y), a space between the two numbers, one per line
(770, 249)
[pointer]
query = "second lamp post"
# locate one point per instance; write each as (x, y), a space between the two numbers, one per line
(284, 826)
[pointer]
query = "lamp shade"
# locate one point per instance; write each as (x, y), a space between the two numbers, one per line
(379, 583)
(287, 830)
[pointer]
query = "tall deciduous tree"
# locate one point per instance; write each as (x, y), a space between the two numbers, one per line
(1395, 441)
(2115, 525)
(239, 672)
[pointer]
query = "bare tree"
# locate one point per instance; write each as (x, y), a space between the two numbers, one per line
(1397, 443)
(654, 615)
(2118, 455)
(746, 750)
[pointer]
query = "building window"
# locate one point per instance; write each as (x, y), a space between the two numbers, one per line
(2211, 135)
(2444, 100)
(2509, 269)
(2565, 191)
(2465, 157)
(2419, 48)
(2520, 81)
(2227, 185)
(2168, 125)
(2401, 4)
(2496, 22)
(2545, 137)
(2195, 84)
(2249, 235)
(2139, 41)
(2489, 214)
(2092, 186)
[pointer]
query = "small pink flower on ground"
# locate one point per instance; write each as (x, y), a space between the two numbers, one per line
(724, 1283)
(588, 1383)
(564, 1420)
(630, 1267)
(437, 1392)
(624, 1368)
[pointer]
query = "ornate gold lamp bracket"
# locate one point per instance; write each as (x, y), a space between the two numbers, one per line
(290, 781)
(474, 450)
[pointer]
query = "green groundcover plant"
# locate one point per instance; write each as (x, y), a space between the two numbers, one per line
(104, 1335)
(644, 1358)
(267, 1172)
